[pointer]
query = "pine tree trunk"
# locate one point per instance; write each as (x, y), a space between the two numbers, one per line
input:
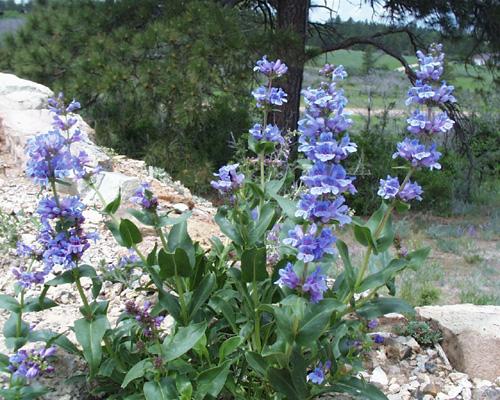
(292, 17)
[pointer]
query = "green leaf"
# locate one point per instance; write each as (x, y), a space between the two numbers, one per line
(316, 320)
(265, 217)
(201, 294)
(257, 362)
(9, 303)
(152, 258)
(33, 304)
(144, 217)
(281, 381)
(229, 346)
(115, 230)
(274, 186)
(401, 206)
(163, 390)
(67, 277)
(381, 277)
(228, 229)
(176, 264)
(350, 274)
(384, 305)
(129, 233)
(356, 387)
(136, 372)
(298, 373)
(89, 334)
(113, 206)
(417, 257)
(253, 265)
(165, 220)
(183, 341)
(212, 380)
(50, 338)
(363, 235)
(13, 339)
(170, 303)
(288, 206)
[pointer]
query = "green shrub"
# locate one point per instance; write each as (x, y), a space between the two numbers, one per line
(422, 332)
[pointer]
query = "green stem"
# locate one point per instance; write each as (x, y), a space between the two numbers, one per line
(255, 295)
(76, 275)
(380, 227)
(54, 191)
(20, 315)
(182, 302)
(262, 174)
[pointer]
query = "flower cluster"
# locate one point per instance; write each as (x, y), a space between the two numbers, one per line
(30, 364)
(422, 124)
(314, 285)
(229, 179)
(271, 133)
(149, 324)
(325, 146)
(389, 189)
(145, 198)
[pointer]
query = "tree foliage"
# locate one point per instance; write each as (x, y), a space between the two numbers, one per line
(159, 80)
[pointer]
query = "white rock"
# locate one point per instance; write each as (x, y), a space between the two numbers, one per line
(394, 388)
(442, 396)
(471, 336)
(109, 184)
(467, 393)
(180, 207)
(454, 391)
(379, 377)
(457, 376)
(21, 94)
(480, 383)
(428, 397)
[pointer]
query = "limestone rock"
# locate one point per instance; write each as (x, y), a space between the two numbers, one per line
(379, 377)
(21, 125)
(21, 94)
(109, 184)
(471, 336)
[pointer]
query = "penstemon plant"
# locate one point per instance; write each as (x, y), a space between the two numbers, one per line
(259, 314)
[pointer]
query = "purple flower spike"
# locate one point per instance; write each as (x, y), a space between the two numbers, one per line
(372, 324)
(317, 376)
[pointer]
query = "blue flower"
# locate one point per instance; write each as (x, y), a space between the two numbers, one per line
(379, 339)
(288, 277)
(411, 191)
(315, 285)
(317, 376)
(325, 178)
(388, 187)
(271, 68)
(272, 96)
(310, 246)
(372, 324)
(312, 208)
(229, 179)
(270, 134)
(144, 197)
(417, 154)
(30, 364)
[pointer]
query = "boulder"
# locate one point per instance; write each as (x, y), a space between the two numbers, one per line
(20, 125)
(109, 184)
(471, 336)
(21, 94)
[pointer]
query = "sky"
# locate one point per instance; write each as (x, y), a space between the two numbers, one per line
(358, 10)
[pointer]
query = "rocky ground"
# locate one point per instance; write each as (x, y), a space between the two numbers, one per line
(400, 366)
